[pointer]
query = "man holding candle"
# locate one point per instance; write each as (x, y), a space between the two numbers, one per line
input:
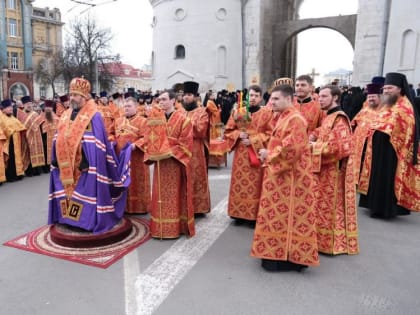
(247, 131)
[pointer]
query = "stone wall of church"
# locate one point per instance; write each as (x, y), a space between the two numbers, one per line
(253, 50)
(370, 40)
(402, 49)
(210, 33)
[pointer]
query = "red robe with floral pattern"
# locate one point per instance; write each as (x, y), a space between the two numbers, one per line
(397, 121)
(132, 130)
(200, 181)
(285, 228)
(335, 190)
(171, 210)
(246, 179)
(311, 110)
(361, 125)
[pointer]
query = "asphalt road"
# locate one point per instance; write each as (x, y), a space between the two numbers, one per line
(211, 273)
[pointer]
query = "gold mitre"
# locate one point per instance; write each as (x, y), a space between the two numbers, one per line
(80, 86)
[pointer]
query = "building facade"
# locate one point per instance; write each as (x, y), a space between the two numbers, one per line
(233, 43)
(200, 41)
(126, 77)
(25, 38)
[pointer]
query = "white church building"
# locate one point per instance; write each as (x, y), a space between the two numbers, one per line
(229, 44)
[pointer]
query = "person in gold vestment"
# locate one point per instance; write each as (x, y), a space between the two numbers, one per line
(49, 128)
(246, 138)
(200, 121)
(168, 143)
(285, 233)
(131, 128)
(32, 149)
(14, 131)
(335, 190)
(3, 140)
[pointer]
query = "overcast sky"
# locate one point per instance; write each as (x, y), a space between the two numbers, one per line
(319, 48)
(129, 21)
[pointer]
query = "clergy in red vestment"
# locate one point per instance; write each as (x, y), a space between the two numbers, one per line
(217, 146)
(335, 190)
(200, 121)
(362, 135)
(131, 128)
(306, 104)
(393, 153)
(285, 233)
(246, 133)
(62, 106)
(168, 143)
(107, 114)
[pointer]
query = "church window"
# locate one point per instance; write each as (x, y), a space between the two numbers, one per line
(221, 60)
(180, 14)
(221, 14)
(179, 52)
(408, 50)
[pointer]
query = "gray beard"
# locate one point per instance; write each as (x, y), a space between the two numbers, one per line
(389, 99)
(74, 105)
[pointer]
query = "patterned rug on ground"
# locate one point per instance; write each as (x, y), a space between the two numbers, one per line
(39, 241)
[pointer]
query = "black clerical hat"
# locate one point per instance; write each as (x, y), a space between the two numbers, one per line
(26, 99)
(191, 87)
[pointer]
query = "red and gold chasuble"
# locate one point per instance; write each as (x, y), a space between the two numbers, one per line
(132, 130)
(361, 124)
(198, 166)
(217, 146)
(312, 112)
(13, 129)
(109, 119)
(245, 184)
(171, 209)
(335, 190)
(49, 128)
(397, 121)
(115, 110)
(285, 228)
(68, 144)
(33, 149)
(59, 109)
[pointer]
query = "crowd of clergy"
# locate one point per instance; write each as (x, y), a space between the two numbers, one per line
(301, 156)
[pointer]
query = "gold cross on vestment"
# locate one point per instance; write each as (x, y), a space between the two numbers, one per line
(153, 136)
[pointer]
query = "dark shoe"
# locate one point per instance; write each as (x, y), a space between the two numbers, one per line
(281, 265)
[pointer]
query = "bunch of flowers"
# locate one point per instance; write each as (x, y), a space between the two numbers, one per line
(242, 115)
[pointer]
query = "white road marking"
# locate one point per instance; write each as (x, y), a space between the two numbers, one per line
(131, 272)
(219, 177)
(154, 284)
